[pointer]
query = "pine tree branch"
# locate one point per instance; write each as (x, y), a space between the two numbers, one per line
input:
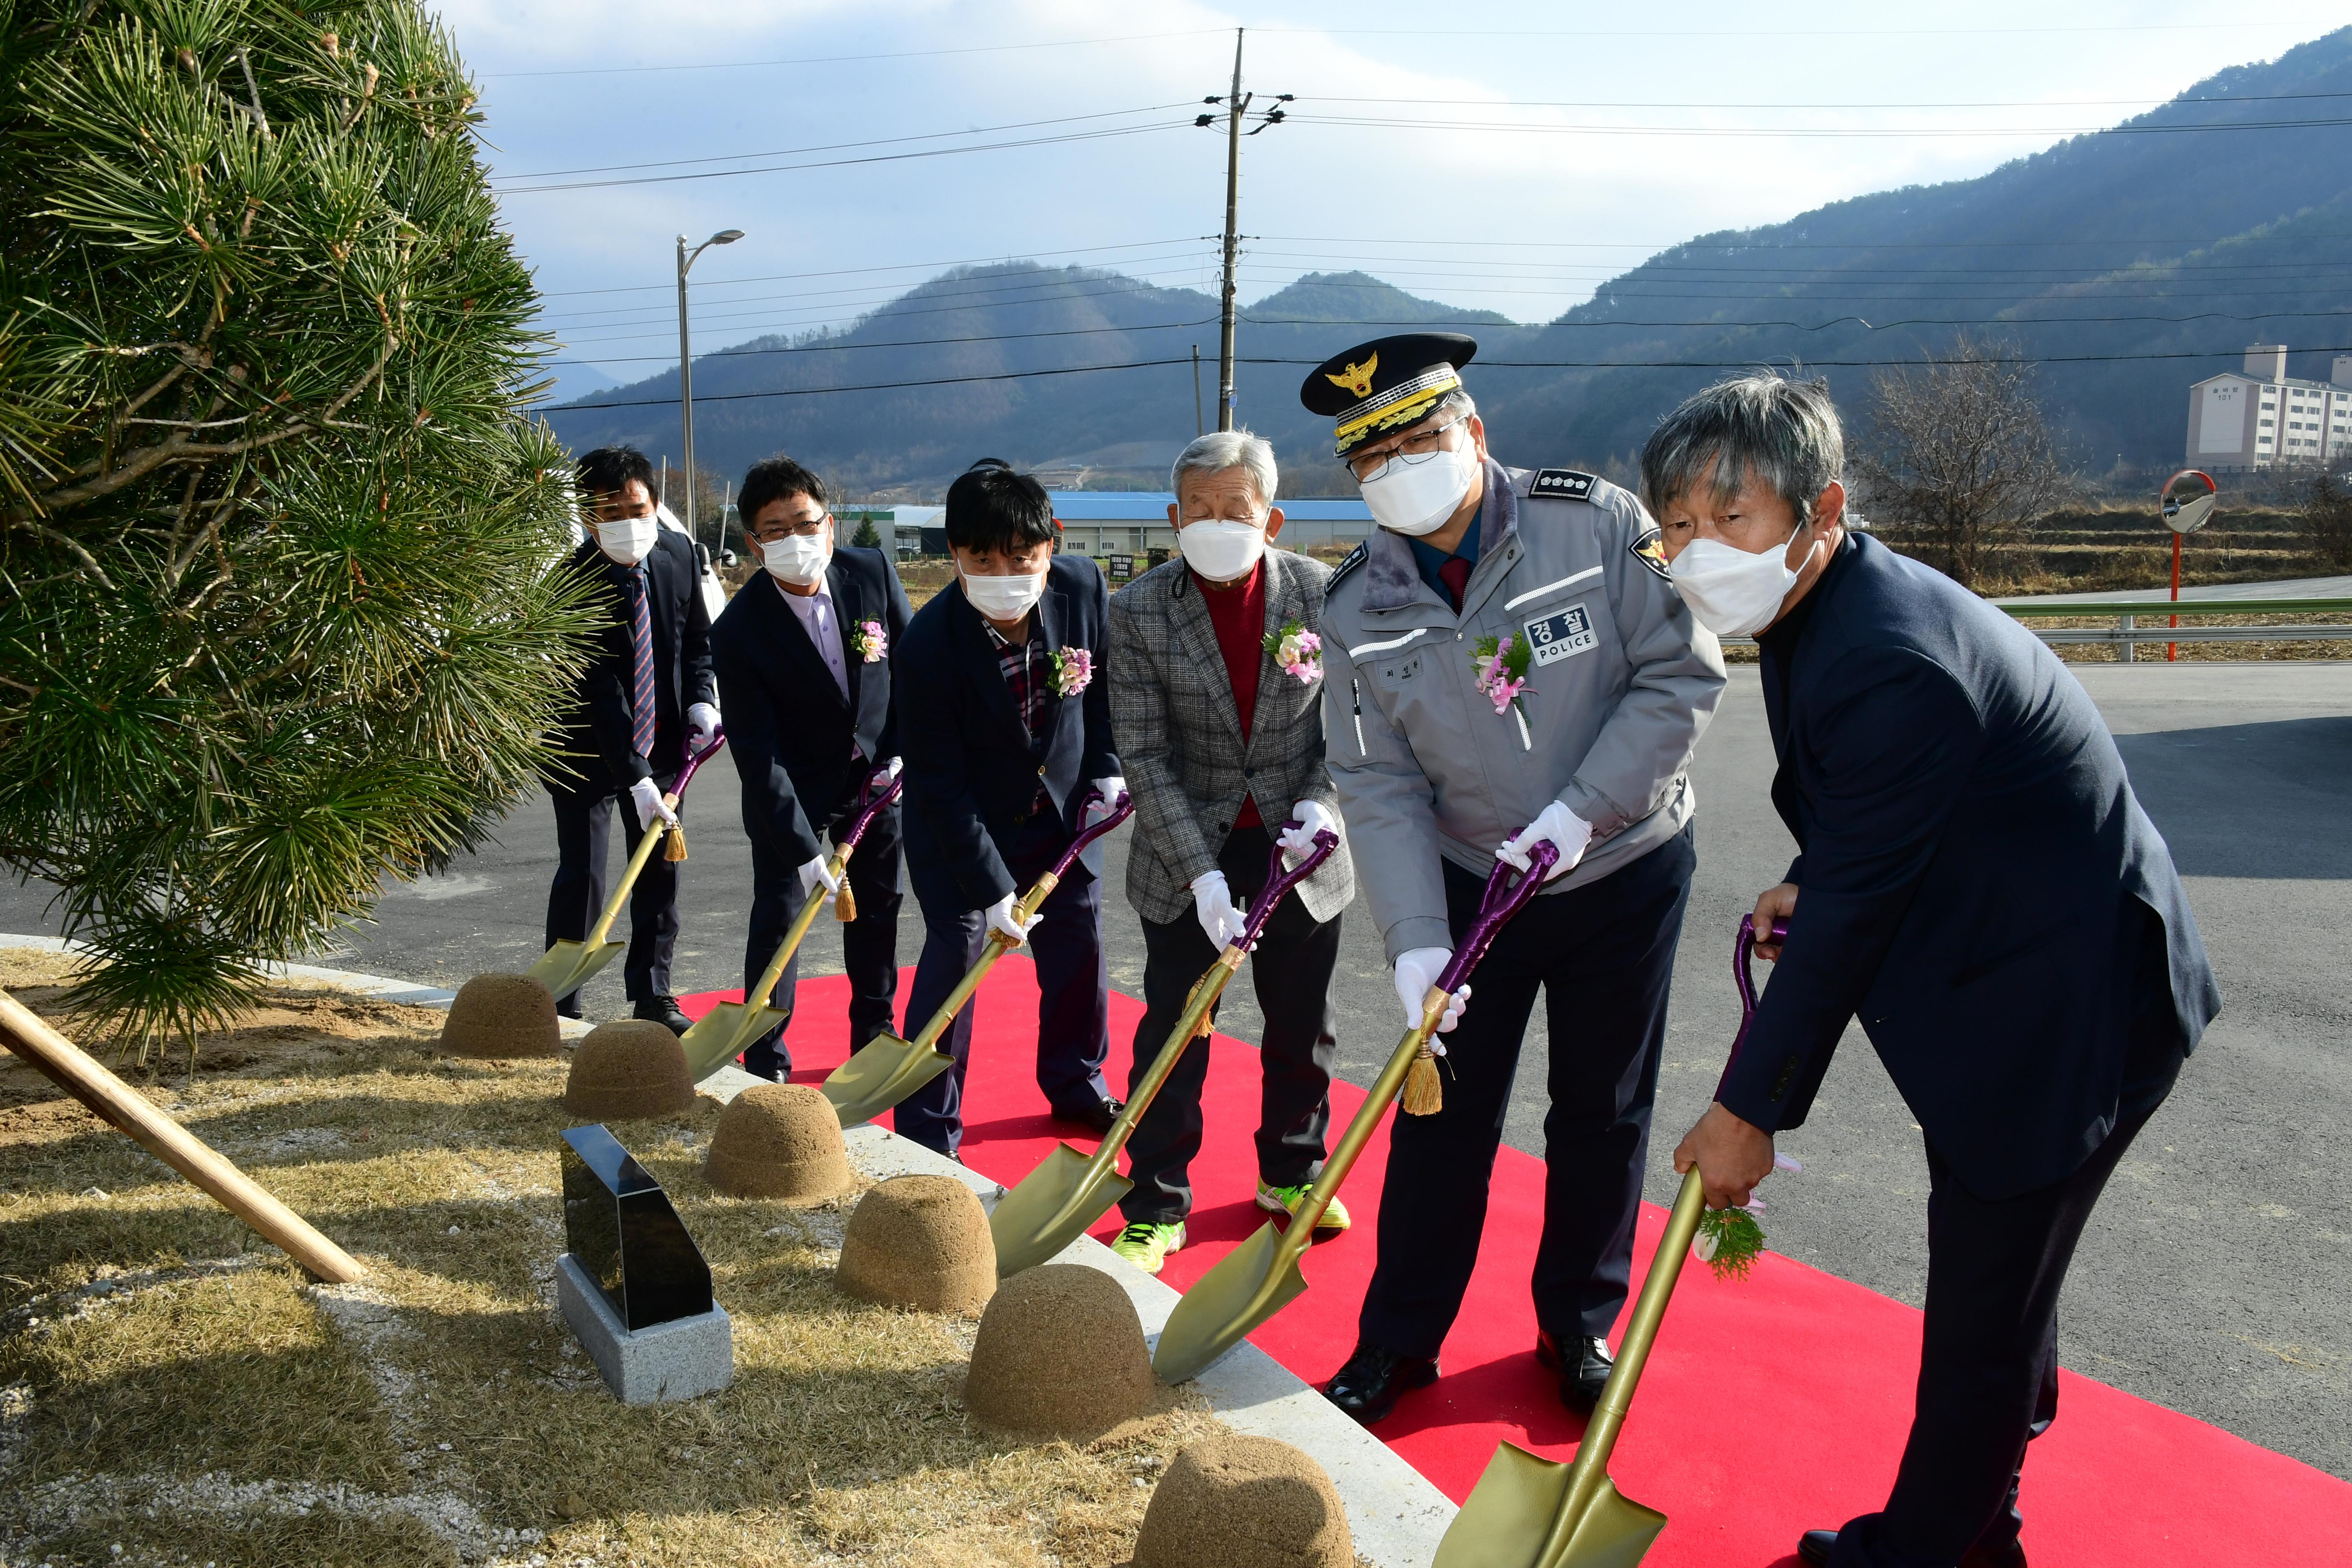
(90, 566)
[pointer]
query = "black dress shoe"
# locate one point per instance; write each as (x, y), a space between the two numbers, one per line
(662, 1010)
(1583, 1365)
(1098, 1116)
(1368, 1386)
(1814, 1546)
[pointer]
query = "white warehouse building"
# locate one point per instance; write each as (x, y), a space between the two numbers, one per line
(2261, 417)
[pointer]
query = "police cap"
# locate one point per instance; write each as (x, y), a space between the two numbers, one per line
(1386, 384)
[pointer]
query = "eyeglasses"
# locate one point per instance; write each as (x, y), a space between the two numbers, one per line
(1415, 449)
(771, 532)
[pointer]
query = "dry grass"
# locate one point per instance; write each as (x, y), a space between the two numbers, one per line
(170, 1386)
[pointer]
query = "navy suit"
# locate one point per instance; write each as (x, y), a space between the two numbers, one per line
(1978, 884)
(600, 760)
(802, 748)
(975, 832)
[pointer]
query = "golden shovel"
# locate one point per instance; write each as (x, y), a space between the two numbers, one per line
(1533, 1512)
(886, 1069)
(568, 965)
(1053, 1204)
(721, 1035)
(1261, 1277)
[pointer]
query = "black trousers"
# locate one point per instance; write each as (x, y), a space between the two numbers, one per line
(1604, 955)
(1291, 969)
(869, 944)
(583, 832)
(1073, 982)
(1989, 1355)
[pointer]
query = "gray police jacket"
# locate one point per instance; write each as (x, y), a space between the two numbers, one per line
(1621, 683)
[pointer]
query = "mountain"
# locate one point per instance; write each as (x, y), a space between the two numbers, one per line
(2152, 238)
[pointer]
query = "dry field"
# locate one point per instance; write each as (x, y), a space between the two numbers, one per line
(172, 1391)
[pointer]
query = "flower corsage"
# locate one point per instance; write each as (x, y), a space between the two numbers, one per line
(870, 641)
(1298, 651)
(1502, 667)
(1074, 670)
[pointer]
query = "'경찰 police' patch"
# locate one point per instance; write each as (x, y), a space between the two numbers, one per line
(1650, 551)
(1562, 636)
(1562, 484)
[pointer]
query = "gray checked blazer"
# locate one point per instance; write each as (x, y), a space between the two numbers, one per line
(1180, 738)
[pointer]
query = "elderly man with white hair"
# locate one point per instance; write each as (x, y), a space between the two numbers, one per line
(1216, 688)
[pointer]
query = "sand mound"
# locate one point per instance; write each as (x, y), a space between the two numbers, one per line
(1243, 1502)
(1060, 1354)
(498, 1015)
(920, 1241)
(779, 1141)
(627, 1070)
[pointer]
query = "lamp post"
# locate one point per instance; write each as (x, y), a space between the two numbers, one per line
(685, 359)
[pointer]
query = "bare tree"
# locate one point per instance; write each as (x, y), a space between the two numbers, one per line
(1961, 459)
(2324, 516)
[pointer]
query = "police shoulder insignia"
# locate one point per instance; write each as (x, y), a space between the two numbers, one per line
(1355, 558)
(1650, 551)
(1562, 484)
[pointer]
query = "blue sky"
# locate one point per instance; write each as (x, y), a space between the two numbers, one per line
(1547, 146)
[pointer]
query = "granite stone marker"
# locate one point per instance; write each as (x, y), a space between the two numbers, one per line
(624, 1233)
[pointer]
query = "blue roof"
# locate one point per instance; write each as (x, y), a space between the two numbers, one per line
(1151, 506)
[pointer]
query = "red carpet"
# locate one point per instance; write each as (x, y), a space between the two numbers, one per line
(1768, 1408)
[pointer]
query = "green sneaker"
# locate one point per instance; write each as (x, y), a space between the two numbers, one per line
(1285, 1200)
(1147, 1246)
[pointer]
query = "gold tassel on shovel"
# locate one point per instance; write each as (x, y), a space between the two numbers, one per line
(844, 903)
(1424, 1093)
(675, 851)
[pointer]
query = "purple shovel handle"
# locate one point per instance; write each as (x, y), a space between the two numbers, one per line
(1119, 813)
(1279, 879)
(1503, 898)
(1743, 953)
(878, 791)
(685, 773)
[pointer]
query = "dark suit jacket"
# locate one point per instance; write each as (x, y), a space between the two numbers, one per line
(1967, 837)
(970, 774)
(598, 735)
(793, 736)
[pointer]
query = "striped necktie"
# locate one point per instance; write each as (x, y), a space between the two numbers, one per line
(641, 639)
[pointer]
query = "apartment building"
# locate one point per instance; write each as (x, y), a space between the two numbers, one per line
(2262, 417)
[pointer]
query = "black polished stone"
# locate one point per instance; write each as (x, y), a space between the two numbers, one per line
(619, 1225)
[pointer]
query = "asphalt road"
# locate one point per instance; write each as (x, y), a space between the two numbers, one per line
(2216, 1274)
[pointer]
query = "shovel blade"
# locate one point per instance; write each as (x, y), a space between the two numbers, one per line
(1253, 1281)
(568, 965)
(721, 1035)
(1513, 1520)
(1052, 1208)
(885, 1070)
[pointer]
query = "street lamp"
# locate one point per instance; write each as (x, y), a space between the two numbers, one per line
(686, 362)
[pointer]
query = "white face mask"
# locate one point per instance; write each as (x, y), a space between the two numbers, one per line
(797, 559)
(1731, 593)
(1003, 598)
(1417, 498)
(1221, 550)
(630, 540)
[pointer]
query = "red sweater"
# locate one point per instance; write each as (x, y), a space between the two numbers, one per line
(1238, 613)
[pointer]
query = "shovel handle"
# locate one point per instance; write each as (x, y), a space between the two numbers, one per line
(646, 843)
(880, 789)
(1280, 878)
(1503, 898)
(1120, 811)
(1743, 974)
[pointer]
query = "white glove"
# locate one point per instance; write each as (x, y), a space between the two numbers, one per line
(892, 768)
(1416, 972)
(820, 871)
(701, 723)
(1213, 902)
(646, 796)
(1570, 832)
(1112, 788)
(1312, 816)
(1001, 918)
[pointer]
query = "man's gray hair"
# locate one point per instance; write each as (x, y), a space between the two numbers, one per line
(1221, 449)
(1784, 431)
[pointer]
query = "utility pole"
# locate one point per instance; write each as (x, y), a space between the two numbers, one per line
(1199, 425)
(1235, 105)
(686, 364)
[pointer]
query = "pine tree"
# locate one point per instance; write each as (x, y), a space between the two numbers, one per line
(277, 616)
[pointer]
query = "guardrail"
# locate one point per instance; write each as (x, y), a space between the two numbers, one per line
(2127, 633)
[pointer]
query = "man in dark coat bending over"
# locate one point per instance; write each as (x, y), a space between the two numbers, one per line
(1977, 883)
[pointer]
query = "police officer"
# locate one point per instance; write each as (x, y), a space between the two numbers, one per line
(1577, 729)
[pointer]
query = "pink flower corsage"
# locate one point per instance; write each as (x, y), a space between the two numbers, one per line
(1074, 670)
(870, 641)
(1501, 665)
(1298, 651)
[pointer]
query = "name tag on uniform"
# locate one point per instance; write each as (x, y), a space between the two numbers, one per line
(1562, 636)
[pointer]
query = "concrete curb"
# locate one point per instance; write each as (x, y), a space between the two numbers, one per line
(1396, 1515)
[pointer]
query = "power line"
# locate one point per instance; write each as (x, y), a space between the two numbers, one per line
(842, 59)
(853, 271)
(1989, 104)
(1823, 133)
